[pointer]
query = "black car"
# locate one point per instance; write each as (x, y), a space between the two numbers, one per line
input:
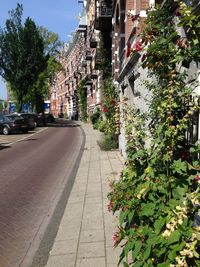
(10, 125)
(28, 118)
(31, 116)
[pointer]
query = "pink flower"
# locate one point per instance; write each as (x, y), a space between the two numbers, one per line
(196, 177)
(110, 206)
(115, 239)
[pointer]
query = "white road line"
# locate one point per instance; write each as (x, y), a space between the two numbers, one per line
(8, 144)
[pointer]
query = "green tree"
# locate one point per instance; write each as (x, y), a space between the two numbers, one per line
(40, 89)
(22, 56)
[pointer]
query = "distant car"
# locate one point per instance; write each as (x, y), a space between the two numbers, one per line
(10, 125)
(45, 118)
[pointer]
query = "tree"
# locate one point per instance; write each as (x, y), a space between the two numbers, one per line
(22, 56)
(40, 89)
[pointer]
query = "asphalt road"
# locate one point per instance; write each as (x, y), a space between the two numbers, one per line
(35, 174)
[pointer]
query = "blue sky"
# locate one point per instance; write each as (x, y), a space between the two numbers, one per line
(59, 16)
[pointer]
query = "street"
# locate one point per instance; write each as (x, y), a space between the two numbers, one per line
(33, 174)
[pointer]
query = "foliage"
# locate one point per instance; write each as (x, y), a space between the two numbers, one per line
(158, 194)
(108, 106)
(22, 56)
(102, 125)
(52, 44)
(40, 89)
(82, 93)
(108, 142)
(95, 118)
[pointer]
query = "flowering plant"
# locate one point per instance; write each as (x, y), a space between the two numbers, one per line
(158, 195)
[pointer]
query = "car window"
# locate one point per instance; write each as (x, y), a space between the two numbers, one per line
(4, 119)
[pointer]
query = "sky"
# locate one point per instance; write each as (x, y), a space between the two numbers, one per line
(58, 16)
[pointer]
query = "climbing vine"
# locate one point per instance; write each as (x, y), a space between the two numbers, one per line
(82, 93)
(158, 195)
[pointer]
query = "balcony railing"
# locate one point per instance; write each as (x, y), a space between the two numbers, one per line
(99, 60)
(103, 11)
(103, 16)
(88, 55)
(93, 75)
(84, 63)
(93, 42)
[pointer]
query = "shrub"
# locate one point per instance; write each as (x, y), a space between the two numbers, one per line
(102, 125)
(108, 142)
(95, 116)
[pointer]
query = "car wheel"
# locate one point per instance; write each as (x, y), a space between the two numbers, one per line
(5, 130)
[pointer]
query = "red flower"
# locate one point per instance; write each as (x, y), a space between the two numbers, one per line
(177, 13)
(105, 109)
(196, 177)
(138, 46)
(128, 50)
(134, 17)
(112, 103)
(100, 103)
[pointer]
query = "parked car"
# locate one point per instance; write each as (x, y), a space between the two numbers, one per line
(31, 116)
(46, 118)
(29, 121)
(10, 125)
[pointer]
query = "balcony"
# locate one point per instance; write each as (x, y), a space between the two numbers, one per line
(88, 80)
(67, 82)
(93, 42)
(99, 60)
(84, 63)
(93, 75)
(88, 55)
(82, 24)
(82, 28)
(103, 16)
(75, 74)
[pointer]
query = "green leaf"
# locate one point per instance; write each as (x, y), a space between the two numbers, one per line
(147, 209)
(136, 251)
(179, 166)
(138, 264)
(195, 41)
(125, 264)
(178, 192)
(127, 248)
(122, 216)
(174, 237)
(130, 217)
(147, 252)
(159, 224)
(165, 264)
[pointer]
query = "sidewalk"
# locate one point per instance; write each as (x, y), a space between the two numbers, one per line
(84, 238)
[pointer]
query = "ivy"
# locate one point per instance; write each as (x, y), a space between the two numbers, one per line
(82, 92)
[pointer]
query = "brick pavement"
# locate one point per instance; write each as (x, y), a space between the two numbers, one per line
(84, 237)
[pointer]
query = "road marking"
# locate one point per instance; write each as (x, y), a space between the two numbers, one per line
(12, 143)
